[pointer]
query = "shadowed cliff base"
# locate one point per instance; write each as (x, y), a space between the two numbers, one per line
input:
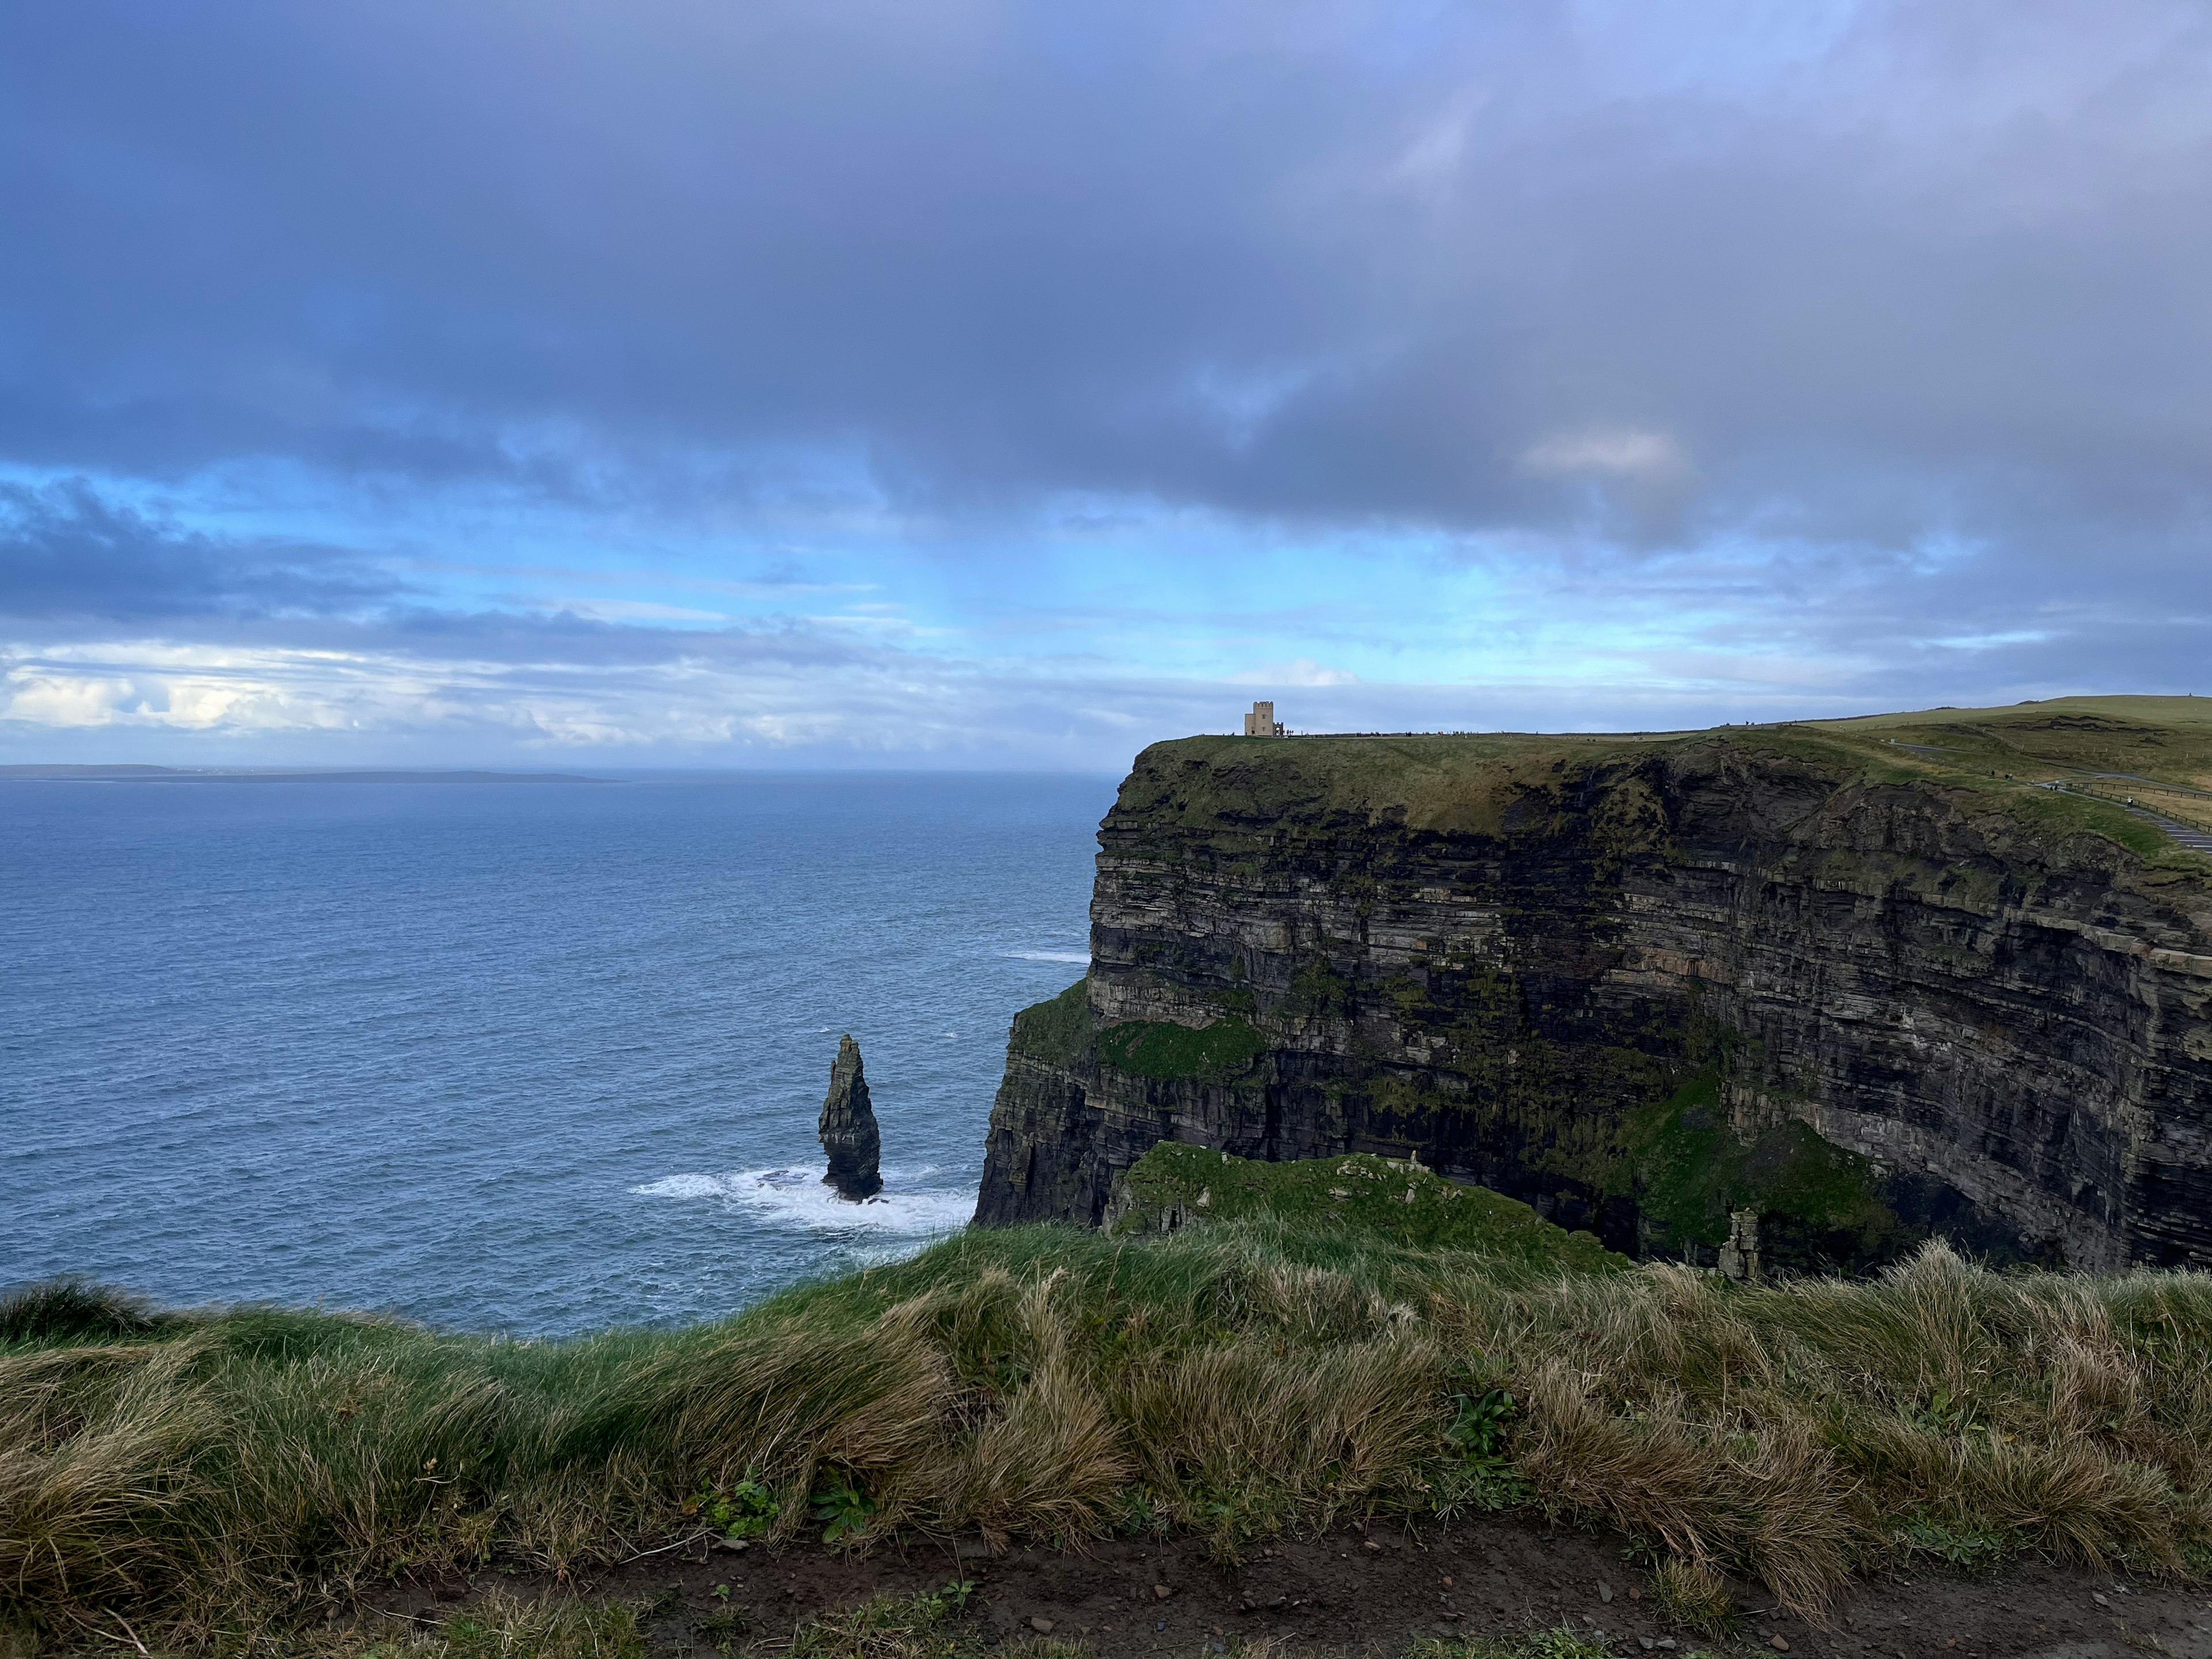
(1873, 982)
(241, 1477)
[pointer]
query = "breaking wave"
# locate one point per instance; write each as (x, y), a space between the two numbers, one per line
(798, 1199)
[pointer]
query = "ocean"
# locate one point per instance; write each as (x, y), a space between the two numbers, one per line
(537, 1057)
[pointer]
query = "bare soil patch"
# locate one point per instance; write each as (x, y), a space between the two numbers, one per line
(1371, 1593)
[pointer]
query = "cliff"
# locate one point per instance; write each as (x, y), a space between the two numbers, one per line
(1874, 979)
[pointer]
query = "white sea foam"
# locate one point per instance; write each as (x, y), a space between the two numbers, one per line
(1050, 956)
(798, 1198)
(683, 1186)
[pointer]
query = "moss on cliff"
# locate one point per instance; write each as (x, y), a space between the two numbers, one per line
(1172, 1052)
(1057, 1032)
(1688, 1168)
(1175, 1184)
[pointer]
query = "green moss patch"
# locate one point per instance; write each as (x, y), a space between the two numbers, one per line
(1058, 1031)
(1819, 1205)
(1397, 1199)
(1158, 1049)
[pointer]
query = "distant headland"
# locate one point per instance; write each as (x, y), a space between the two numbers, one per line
(259, 774)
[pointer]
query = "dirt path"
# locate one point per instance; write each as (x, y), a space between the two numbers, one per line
(1354, 1593)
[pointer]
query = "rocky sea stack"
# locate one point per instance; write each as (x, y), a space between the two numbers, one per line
(849, 1127)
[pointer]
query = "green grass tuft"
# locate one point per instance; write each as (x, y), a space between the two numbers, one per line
(924, 1626)
(68, 1310)
(1561, 1641)
(1692, 1596)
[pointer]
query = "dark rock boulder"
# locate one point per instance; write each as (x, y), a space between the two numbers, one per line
(849, 1127)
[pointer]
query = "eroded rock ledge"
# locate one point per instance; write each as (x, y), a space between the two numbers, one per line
(1637, 982)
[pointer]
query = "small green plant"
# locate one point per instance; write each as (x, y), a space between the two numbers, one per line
(748, 1510)
(1480, 1476)
(1561, 1641)
(842, 1506)
(1970, 1550)
(1944, 1412)
(1693, 1594)
(889, 1627)
(1478, 1425)
(720, 1630)
(1138, 1511)
(505, 1626)
(939, 1605)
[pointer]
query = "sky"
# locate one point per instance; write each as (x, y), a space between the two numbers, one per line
(973, 383)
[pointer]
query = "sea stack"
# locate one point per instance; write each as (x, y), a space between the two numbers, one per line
(849, 1127)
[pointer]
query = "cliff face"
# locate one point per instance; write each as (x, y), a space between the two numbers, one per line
(1871, 993)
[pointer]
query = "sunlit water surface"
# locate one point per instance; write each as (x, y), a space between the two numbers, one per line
(537, 1057)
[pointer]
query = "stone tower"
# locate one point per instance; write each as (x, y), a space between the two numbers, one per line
(1261, 721)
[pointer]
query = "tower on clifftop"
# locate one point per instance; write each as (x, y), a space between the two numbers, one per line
(1261, 721)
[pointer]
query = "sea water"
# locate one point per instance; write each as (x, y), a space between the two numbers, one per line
(537, 1057)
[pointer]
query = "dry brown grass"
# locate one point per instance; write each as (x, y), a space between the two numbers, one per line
(231, 1471)
(1692, 1596)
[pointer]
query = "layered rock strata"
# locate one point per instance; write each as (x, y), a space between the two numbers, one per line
(848, 1128)
(1640, 986)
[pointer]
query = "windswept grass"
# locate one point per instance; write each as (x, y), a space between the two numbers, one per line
(210, 1475)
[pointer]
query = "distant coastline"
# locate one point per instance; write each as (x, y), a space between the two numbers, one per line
(250, 775)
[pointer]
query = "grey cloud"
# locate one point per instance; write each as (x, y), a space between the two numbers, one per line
(68, 552)
(1351, 263)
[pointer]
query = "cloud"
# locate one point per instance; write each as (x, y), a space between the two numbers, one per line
(972, 255)
(1617, 451)
(66, 550)
(635, 611)
(1626, 356)
(1304, 672)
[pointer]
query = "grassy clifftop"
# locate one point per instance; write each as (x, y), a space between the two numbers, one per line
(2157, 750)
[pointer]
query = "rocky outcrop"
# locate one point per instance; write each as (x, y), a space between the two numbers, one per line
(1641, 986)
(849, 1127)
